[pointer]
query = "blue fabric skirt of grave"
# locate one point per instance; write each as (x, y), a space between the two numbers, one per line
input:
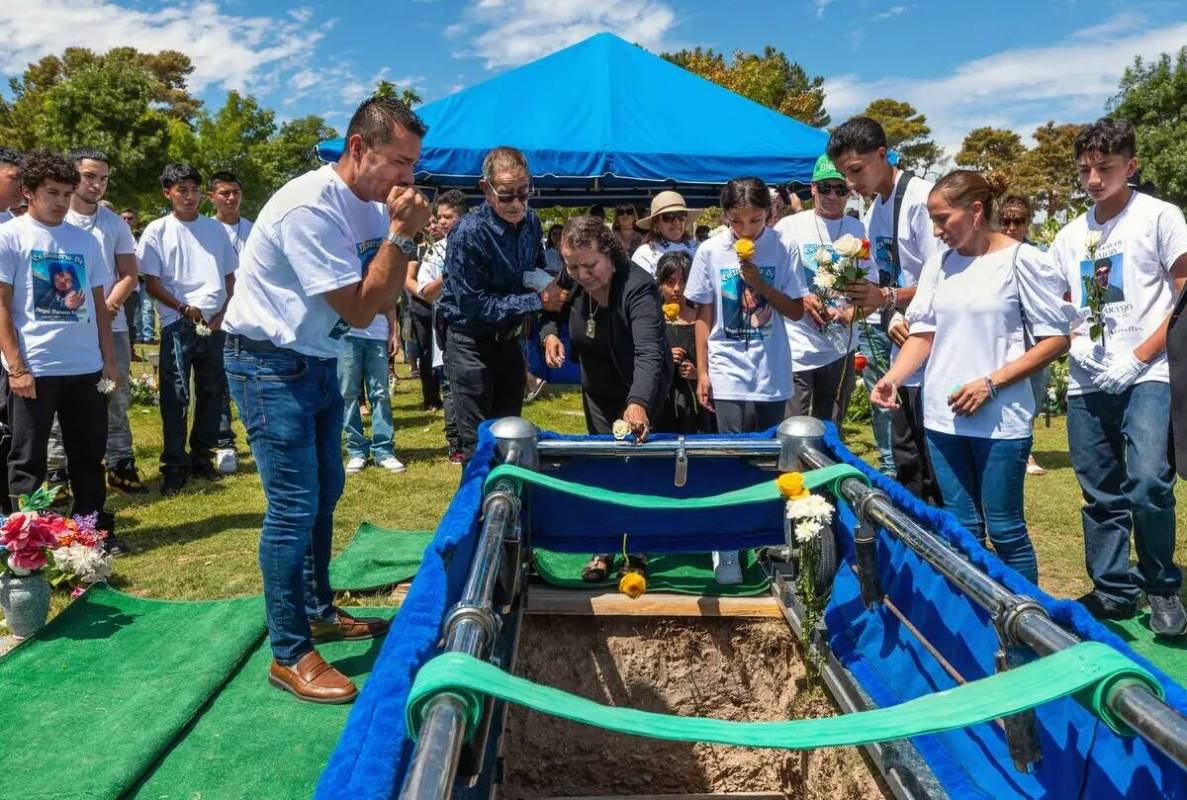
(1081, 756)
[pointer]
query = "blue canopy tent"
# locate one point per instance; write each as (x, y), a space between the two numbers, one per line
(604, 121)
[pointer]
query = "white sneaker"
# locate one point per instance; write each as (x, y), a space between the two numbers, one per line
(225, 461)
(391, 464)
(355, 464)
(726, 569)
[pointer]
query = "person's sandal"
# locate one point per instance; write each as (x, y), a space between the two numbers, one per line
(597, 569)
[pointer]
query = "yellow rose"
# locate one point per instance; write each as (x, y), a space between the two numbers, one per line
(745, 249)
(632, 584)
(791, 485)
(671, 311)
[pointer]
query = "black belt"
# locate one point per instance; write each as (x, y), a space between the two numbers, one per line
(237, 342)
(499, 335)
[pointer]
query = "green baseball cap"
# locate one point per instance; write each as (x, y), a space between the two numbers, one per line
(825, 170)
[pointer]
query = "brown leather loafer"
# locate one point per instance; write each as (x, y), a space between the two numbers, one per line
(314, 680)
(348, 627)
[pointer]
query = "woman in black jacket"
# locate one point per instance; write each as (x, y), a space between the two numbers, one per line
(617, 330)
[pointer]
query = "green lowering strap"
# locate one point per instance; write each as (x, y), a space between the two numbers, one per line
(1090, 670)
(830, 477)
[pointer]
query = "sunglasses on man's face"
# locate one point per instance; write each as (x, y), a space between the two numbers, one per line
(1014, 222)
(673, 216)
(838, 189)
(506, 197)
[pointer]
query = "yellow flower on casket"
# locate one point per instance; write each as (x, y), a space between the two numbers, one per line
(745, 249)
(632, 584)
(791, 485)
(671, 311)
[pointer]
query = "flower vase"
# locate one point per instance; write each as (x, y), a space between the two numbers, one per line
(25, 602)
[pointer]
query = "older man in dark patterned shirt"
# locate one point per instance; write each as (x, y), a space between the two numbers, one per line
(485, 301)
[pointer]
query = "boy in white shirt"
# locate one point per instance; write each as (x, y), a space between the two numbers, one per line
(55, 337)
(901, 241)
(188, 263)
(1119, 382)
(226, 192)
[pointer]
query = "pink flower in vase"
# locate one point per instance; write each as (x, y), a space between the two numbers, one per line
(31, 560)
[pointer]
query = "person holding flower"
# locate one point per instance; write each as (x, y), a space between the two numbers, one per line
(822, 341)
(617, 330)
(665, 230)
(682, 413)
(1124, 262)
(742, 279)
(975, 308)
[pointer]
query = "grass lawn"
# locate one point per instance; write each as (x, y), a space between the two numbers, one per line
(202, 544)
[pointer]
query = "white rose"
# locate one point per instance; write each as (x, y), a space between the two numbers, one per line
(823, 257)
(825, 280)
(1092, 240)
(620, 429)
(847, 246)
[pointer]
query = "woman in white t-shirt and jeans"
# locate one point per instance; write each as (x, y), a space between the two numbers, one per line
(743, 356)
(975, 309)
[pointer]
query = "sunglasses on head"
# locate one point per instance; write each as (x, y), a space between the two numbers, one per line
(1013, 222)
(837, 189)
(507, 197)
(674, 216)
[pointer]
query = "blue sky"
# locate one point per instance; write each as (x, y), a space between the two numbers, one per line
(1011, 63)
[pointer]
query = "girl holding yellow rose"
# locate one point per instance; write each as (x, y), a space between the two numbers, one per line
(682, 414)
(742, 281)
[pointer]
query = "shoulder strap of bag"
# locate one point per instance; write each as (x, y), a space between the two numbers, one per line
(900, 190)
(1028, 337)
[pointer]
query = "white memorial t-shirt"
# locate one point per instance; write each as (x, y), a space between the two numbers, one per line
(115, 239)
(314, 236)
(749, 355)
(5, 216)
(648, 254)
(1136, 251)
(238, 232)
(432, 268)
(192, 259)
(804, 234)
(52, 271)
(916, 241)
(973, 305)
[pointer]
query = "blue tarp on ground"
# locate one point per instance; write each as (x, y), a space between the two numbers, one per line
(1081, 757)
(607, 109)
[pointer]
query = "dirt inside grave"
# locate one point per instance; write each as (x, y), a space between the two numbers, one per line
(736, 669)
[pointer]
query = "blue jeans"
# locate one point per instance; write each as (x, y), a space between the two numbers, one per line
(981, 482)
(291, 408)
(876, 348)
(146, 326)
(186, 355)
(1118, 446)
(363, 362)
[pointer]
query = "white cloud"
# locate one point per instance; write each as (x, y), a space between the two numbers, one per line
(893, 11)
(1068, 81)
(508, 33)
(228, 51)
(821, 5)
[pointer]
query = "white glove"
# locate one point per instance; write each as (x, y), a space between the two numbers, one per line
(1091, 357)
(1120, 375)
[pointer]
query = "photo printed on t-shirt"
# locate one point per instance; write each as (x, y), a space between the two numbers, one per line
(59, 287)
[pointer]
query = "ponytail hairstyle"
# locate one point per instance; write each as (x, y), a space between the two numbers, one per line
(744, 193)
(963, 187)
(586, 231)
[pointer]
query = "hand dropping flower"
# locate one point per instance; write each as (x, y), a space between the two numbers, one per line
(621, 429)
(848, 246)
(671, 311)
(745, 249)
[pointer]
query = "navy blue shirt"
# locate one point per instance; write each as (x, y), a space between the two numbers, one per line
(483, 290)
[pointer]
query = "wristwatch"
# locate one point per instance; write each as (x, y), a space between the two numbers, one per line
(406, 244)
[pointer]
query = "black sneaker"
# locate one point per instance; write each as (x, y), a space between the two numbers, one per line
(1167, 617)
(126, 478)
(204, 468)
(59, 479)
(115, 546)
(1101, 608)
(173, 481)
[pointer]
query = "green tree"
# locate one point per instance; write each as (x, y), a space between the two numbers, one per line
(1153, 96)
(769, 78)
(1047, 171)
(988, 149)
(291, 151)
(907, 133)
(407, 95)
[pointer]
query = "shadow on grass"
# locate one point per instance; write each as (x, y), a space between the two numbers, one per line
(187, 530)
(103, 620)
(1053, 459)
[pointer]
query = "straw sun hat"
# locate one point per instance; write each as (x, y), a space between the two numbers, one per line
(662, 203)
